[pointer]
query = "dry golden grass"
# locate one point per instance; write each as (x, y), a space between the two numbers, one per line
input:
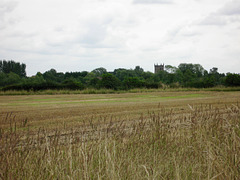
(55, 110)
(158, 135)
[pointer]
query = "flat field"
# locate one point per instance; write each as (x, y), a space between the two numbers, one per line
(51, 111)
(148, 135)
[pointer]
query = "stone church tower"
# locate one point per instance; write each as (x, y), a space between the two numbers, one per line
(158, 68)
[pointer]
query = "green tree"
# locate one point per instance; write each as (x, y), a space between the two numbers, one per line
(133, 82)
(179, 76)
(53, 76)
(1, 67)
(72, 84)
(99, 72)
(12, 78)
(3, 79)
(216, 76)
(233, 79)
(12, 66)
(37, 79)
(124, 73)
(188, 78)
(196, 69)
(91, 80)
(78, 76)
(109, 81)
(149, 76)
(170, 69)
(208, 82)
(161, 76)
(138, 71)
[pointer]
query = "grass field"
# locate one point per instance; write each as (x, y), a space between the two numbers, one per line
(147, 135)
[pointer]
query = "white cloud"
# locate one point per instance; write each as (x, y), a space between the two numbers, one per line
(153, 1)
(73, 35)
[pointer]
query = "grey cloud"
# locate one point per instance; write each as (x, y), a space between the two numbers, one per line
(91, 34)
(183, 31)
(234, 19)
(231, 8)
(59, 29)
(94, 34)
(214, 20)
(227, 14)
(152, 1)
(6, 7)
(2, 25)
(20, 34)
(93, 38)
(191, 34)
(221, 16)
(174, 32)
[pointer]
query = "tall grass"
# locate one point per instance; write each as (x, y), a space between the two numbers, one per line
(110, 91)
(201, 144)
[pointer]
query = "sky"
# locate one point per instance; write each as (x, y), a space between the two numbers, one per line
(82, 35)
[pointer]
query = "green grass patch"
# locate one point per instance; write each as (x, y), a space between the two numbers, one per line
(65, 100)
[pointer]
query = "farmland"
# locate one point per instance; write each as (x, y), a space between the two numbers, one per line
(53, 110)
(148, 135)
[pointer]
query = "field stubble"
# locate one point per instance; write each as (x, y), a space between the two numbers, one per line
(174, 138)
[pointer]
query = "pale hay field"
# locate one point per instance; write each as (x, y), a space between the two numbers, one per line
(154, 135)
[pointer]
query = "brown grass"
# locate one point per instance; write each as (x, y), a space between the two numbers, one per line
(171, 138)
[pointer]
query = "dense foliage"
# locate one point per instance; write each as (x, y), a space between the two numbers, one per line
(13, 77)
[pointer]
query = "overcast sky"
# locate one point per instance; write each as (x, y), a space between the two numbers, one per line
(78, 35)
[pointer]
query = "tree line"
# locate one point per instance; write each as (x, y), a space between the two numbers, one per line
(13, 77)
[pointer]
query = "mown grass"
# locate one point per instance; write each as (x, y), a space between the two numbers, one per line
(203, 143)
(94, 100)
(52, 111)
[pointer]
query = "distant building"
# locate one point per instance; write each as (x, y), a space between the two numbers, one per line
(158, 68)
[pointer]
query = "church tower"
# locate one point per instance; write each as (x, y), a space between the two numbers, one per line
(158, 68)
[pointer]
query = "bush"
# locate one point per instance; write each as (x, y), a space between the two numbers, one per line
(232, 80)
(73, 85)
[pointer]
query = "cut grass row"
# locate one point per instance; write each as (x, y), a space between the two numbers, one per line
(53, 111)
(139, 98)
